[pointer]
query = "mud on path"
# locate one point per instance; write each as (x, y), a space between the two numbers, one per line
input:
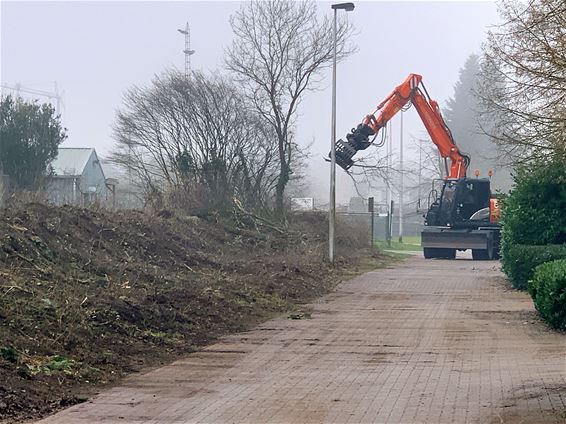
(423, 342)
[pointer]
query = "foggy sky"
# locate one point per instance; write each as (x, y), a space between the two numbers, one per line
(96, 50)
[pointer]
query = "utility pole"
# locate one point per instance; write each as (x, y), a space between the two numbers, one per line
(390, 223)
(420, 174)
(188, 52)
(389, 195)
(371, 210)
(389, 165)
(402, 188)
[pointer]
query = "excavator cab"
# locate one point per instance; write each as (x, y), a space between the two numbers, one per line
(460, 219)
(459, 203)
(473, 198)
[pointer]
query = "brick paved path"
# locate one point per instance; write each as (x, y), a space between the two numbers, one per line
(427, 342)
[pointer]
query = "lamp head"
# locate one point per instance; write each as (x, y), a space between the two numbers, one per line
(348, 7)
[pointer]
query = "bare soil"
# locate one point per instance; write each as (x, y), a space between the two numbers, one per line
(89, 296)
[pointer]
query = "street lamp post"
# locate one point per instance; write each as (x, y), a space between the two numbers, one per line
(348, 7)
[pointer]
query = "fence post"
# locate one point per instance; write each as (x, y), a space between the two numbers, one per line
(389, 229)
(371, 211)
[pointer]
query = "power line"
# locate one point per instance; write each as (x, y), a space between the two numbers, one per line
(19, 88)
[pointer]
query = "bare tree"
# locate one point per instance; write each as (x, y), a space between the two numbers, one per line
(372, 173)
(524, 78)
(278, 53)
(195, 133)
(423, 172)
(377, 171)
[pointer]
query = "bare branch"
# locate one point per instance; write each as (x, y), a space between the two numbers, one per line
(279, 53)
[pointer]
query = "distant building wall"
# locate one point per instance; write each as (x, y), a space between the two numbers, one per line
(92, 183)
(128, 193)
(357, 205)
(86, 187)
(64, 190)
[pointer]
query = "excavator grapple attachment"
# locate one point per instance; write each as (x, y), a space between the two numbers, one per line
(356, 140)
(344, 153)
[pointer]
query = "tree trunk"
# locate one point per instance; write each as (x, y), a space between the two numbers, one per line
(282, 181)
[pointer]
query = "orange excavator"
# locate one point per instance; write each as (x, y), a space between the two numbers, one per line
(465, 214)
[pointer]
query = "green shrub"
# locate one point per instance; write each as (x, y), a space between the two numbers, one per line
(519, 261)
(534, 211)
(548, 290)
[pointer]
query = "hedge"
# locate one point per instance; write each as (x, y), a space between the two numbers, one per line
(548, 290)
(534, 211)
(519, 261)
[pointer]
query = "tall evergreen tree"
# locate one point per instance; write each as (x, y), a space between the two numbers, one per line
(470, 128)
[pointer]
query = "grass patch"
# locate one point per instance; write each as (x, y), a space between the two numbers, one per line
(50, 365)
(410, 244)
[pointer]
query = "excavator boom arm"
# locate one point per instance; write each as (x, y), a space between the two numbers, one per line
(429, 112)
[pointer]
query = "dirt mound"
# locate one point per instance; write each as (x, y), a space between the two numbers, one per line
(86, 296)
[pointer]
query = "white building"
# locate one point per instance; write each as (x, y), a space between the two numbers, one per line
(78, 178)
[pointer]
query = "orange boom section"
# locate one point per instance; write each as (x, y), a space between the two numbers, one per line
(411, 91)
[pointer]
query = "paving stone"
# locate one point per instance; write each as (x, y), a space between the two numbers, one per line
(430, 341)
